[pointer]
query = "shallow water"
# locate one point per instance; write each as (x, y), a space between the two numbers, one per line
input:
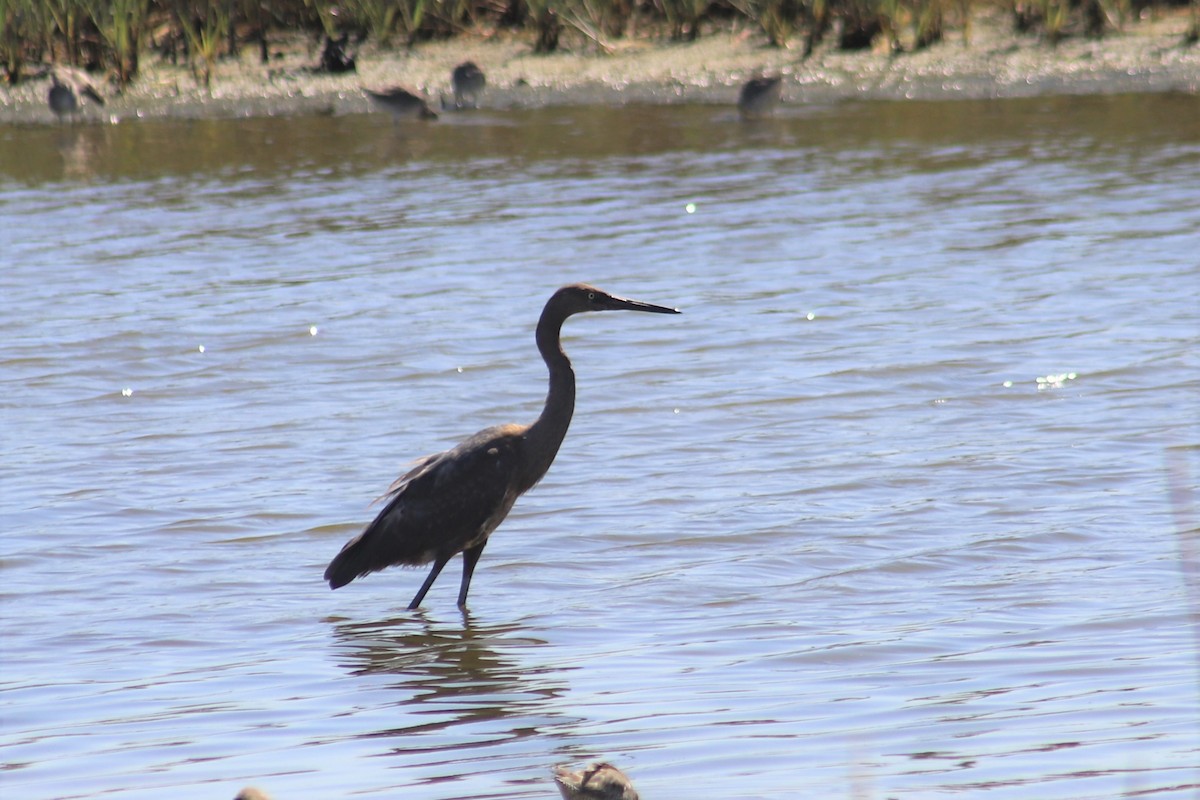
(898, 507)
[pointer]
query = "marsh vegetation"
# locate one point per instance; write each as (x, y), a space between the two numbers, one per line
(113, 36)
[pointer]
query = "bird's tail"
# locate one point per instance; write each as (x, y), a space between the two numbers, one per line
(372, 550)
(383, 544)
(347, 564)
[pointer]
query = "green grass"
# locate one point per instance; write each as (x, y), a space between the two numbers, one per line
(1054, 19)
(378, 17)
(111, 35)
(683, 18)
(205, 25)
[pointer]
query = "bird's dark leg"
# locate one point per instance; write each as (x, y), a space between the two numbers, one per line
(433, 573)
(470, 559)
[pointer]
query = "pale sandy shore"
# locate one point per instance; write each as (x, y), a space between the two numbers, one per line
(1145, 56)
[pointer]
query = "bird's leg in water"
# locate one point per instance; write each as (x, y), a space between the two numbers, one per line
(433, 573)
(470, 559)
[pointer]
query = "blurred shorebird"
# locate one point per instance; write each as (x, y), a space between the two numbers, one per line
(66, 88)
(252, 793)
(760, 96)
(401, 103)
(469, 82)
(450, 502)
(597, 781)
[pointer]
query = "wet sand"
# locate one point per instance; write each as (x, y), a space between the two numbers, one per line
(1146, 56)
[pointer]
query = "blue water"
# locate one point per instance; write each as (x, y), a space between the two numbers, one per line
(902, 505)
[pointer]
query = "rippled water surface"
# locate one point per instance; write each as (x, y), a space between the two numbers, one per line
(899, 507)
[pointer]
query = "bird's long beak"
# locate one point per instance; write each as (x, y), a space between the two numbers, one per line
(621, 304)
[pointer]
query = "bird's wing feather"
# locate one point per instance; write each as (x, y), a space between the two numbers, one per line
(446, 503)
(400, 482)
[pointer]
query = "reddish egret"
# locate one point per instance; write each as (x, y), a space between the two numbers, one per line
(401, 103)
(451, 502)
(468, 81)
(594, 782)
(759, 96)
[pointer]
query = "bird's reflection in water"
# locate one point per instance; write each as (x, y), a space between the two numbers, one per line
(458, 674)
(78, 147)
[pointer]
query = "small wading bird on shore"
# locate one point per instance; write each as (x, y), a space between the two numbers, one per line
(451, 502)
(594, 782)
(401, 103)
(66, 86)
(468, 81)
(759, 97)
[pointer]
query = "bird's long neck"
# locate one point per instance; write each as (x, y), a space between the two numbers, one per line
(547, 433)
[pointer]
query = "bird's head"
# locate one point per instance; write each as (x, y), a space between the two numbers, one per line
(580, 297)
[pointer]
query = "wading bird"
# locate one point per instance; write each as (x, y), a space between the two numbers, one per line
(468, 81)
(66, 86)
(252, 793)
(401, 103)
(759, 97)
(451, 502)
(594, 782)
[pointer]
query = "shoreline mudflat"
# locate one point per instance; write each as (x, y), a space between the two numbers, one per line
(1145, 56)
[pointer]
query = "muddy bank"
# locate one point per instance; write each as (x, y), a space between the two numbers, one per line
(1147, 56)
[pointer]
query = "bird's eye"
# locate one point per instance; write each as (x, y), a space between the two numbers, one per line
(591, 297)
